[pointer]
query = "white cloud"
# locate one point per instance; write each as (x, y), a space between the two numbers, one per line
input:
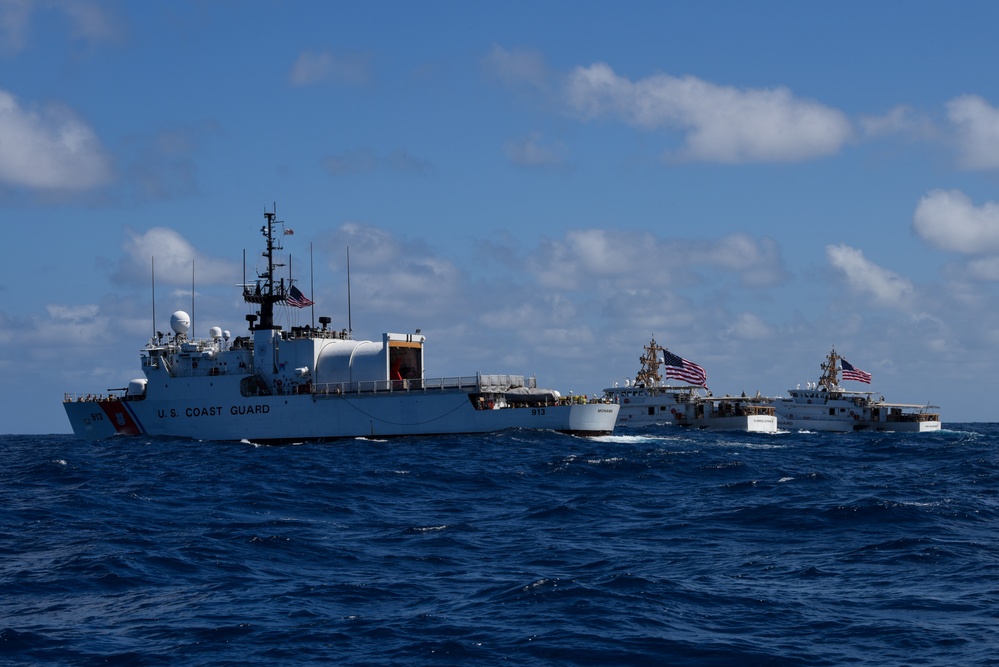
(722, 123)
(865, 277)
(532, 152)
(174, 257)
(625, 258)
(312, 68)
(51, 149)
(948, 220)
(758, 262)
(977, 126)
(394, 275)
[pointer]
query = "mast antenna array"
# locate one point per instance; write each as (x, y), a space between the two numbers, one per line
(267, 290)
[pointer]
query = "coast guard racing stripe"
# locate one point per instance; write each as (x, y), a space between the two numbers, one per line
(121, 417)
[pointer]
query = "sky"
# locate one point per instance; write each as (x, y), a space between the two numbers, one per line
(541, 188)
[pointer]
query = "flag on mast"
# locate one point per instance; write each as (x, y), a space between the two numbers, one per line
(297, 299)
(852, 373)
(680, 369)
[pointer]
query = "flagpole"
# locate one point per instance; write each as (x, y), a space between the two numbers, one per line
(312, 286)
(350, 327)
(152, 270)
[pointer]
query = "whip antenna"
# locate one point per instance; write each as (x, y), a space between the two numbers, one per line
(350, 328)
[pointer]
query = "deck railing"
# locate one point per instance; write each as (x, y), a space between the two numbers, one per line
(462, 383)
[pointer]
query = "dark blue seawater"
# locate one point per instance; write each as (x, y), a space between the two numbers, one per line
(664, 547)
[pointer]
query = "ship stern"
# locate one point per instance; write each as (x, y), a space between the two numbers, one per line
(99, 419)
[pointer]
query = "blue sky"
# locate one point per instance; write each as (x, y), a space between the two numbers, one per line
(539, 187)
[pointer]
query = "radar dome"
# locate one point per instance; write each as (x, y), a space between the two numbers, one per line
(180, 322)
(215, 333)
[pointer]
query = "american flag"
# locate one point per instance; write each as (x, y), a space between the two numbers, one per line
(851, 373)
(297, 299)
(681, 369)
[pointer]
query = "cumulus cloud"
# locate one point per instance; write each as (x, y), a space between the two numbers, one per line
(394, 275)
(174, 256)
(977, 125)
(948, 220)
(722, 123)
(312, 68)
(533, 152)
(49, 149)
(757, 262)
(865, 277)
(583, 256)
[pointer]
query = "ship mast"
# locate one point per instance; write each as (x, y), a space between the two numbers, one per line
(265, 291)
(649, 373)
(830, 372)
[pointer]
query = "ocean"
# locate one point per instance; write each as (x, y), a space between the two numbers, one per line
(661, 546)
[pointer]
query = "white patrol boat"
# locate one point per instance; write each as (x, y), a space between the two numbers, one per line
(826, 406)
(309, 384)
(649, 402)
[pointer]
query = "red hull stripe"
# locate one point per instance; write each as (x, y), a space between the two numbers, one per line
(121, 417)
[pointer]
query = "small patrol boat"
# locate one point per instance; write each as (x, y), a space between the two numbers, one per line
(313, 384)
(649, 401)
(826, 406)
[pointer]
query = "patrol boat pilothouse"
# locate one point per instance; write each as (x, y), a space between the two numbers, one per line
(314, 384)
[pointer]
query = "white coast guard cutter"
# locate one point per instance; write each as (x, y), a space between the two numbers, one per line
(649, 401)
(313, 384)
(826, 406)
